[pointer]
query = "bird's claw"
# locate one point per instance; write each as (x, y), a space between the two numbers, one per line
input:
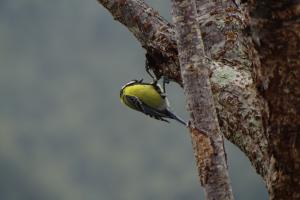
(147, 67)
(165, 81)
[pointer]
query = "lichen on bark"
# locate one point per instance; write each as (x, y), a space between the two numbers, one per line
(253, 51)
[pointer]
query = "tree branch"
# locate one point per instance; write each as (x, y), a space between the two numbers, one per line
(154, 33)
(206, 135)
(241, 111)
(256, 96)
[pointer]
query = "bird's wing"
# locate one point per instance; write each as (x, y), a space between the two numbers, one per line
(137, 104)
(134, 102)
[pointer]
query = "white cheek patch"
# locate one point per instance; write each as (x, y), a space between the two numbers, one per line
(167, 102)
(159, 86)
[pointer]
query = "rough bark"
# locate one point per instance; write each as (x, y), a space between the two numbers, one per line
(254, 51)
(154, 33)
(276, 29)
(241, 109)
(234, 88)
(207, 140)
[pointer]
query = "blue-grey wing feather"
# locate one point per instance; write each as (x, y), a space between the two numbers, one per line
(134, 102)
(142, 107)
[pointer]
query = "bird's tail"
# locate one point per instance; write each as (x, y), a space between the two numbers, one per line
(173, 116)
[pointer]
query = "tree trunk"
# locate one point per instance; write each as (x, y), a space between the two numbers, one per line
(276, 28)
(254, 51)
(207, 140)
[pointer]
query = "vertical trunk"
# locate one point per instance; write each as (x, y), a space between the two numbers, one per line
(277, 32)
(206, 136)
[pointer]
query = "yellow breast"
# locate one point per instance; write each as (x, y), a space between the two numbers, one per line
(146, 93)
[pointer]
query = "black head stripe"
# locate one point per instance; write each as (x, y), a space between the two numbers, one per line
(129, 83)
(134, 82)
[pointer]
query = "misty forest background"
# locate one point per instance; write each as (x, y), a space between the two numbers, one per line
(64, 134)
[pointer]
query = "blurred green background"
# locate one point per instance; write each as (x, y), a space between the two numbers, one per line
(64, 135)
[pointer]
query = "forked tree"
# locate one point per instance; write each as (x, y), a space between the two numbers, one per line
(239, 64)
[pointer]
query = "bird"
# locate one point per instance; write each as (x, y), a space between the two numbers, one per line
(149, 99)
